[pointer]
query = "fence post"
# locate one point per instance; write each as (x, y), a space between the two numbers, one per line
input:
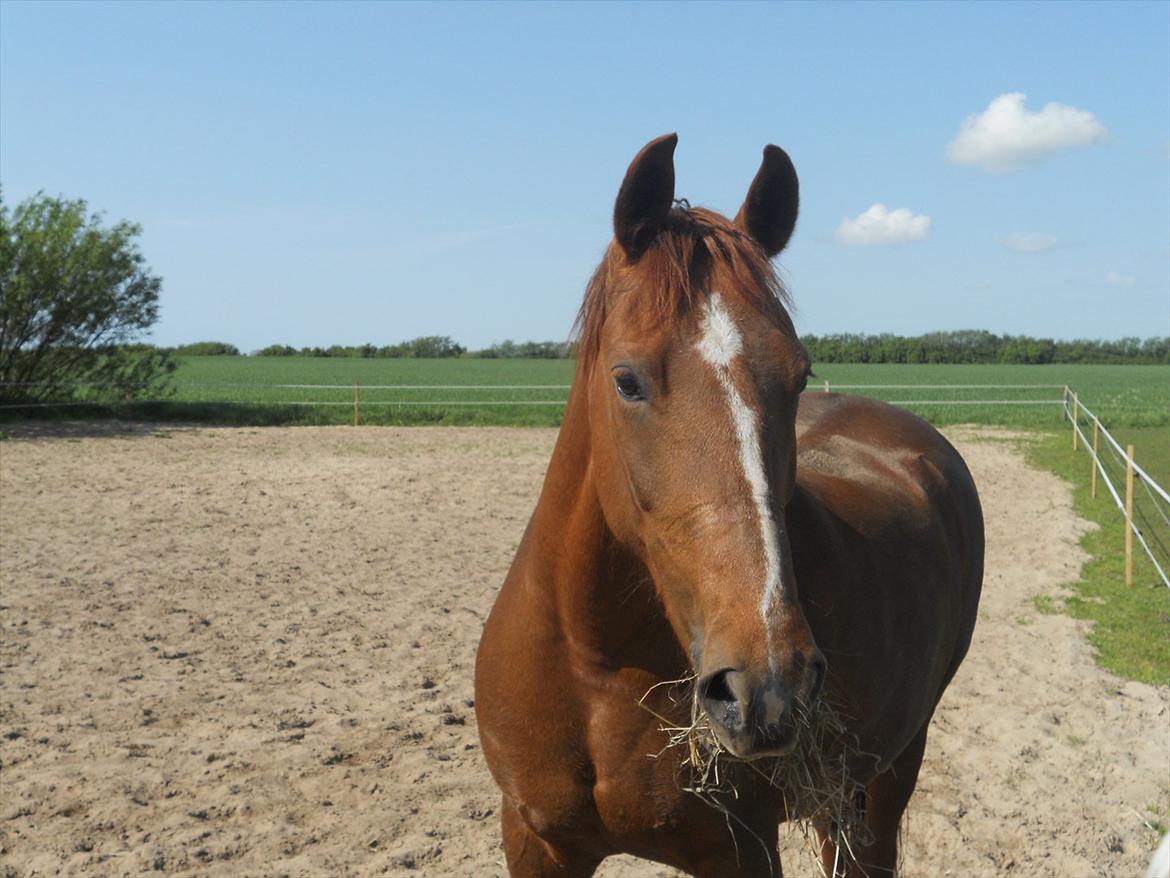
(826, 386)
(1129, 515)
(1093, 477)
(357, 403)
(1064, 404)
(1076, 413)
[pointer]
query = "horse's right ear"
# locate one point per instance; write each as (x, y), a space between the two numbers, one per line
(643, 202)
(769, 211)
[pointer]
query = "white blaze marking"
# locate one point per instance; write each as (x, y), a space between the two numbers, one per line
(719, 345)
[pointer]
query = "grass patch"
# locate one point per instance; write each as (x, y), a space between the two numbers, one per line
(1046, 605)
(1130, 395)
(263, 414)
(1131, 631)
(310, 390)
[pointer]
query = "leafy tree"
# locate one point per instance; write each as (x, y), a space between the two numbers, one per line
(543, 350)
(276, 350)
(74, 294)
(979, 346)
(208, 349)
(435, 346)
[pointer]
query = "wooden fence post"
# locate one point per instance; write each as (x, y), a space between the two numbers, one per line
(357, 403)
(1093, 477)
(1076, 413)
(826, 386)
(1064, 404)
(1129, 515)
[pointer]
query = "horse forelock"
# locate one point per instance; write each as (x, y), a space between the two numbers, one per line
(696, 251)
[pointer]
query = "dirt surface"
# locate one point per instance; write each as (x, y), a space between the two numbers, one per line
(234, 651)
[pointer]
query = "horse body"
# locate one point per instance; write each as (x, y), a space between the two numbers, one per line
(621, 585)
(888, 535)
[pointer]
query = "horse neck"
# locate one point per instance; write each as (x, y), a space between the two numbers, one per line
(601, 595)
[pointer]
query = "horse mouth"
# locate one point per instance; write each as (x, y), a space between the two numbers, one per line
(758, 743)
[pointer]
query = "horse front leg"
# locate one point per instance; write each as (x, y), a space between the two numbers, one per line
(889, 794)
(885, 802)
(753, 854)
(530, 856)
(836, 861)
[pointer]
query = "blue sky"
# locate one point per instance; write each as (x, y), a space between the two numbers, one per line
(313, 174)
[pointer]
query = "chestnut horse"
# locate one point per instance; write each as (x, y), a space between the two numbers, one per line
(700, 518)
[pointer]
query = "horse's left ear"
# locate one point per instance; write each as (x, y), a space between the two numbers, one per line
(769, 211)
(643, 202)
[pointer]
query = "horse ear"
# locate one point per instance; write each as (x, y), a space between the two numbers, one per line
(643, 202)
(769, 211)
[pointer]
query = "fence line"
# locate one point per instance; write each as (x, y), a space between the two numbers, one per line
(239, 384)
(950, 386)
(523, 386)
(357, 402)
(1073, 411)
(300, 402)
(827, 387)
(393, 386)
(442, 402)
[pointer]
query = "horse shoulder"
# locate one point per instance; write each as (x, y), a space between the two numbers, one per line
(527, 706)
(872, 447)
(561, 725)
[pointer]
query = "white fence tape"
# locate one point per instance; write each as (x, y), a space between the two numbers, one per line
(523, 402)
(950, 386)
(1138, 472)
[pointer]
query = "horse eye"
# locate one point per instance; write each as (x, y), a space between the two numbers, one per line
(627, 385)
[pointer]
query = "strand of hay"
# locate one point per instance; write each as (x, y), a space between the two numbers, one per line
(814, 779)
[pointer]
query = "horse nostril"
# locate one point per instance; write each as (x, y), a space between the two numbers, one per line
(720, 700)
(714, 687)
(819, 667)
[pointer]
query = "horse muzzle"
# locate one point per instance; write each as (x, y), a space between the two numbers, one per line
(755, 716)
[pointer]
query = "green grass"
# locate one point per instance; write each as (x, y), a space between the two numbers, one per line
(1131, 630)
(241, 390)
(257, 371)
(1119, 395)
(534, 390)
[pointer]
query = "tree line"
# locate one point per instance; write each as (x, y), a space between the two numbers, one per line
(979, 346)
(424, 347)
(959, 347)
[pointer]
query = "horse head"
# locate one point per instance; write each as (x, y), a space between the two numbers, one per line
(694, 371)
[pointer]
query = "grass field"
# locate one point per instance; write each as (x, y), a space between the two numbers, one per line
(470, 391)
(249, 390)
(1131, 630)
(503, 392)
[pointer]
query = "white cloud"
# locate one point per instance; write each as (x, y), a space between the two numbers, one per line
(1007, 136)
(1029, 242)
(880, 225)
(1117, 279)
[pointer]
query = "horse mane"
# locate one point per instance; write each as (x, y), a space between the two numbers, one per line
(696, 251)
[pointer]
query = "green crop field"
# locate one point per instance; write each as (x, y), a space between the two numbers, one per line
(393, 391)
(532, 391)
(272, 390)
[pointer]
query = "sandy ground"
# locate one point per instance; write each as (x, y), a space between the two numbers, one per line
(249, 652)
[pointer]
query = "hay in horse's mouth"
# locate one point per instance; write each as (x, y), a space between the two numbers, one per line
(814, 780)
